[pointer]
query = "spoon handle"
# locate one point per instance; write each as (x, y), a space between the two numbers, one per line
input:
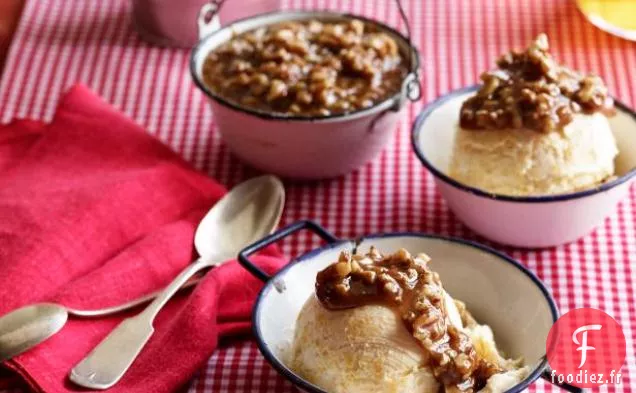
(111, 358)
(153, 308)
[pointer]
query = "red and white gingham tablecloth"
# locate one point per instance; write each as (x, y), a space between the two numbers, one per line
(61, 42)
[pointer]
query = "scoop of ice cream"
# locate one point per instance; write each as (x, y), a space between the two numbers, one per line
(362, 349)
(368, 348)
(523, 162)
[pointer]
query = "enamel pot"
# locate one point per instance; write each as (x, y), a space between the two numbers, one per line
(294, 146)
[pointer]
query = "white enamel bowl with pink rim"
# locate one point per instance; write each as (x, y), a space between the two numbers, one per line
(302, 147)
(528, 222)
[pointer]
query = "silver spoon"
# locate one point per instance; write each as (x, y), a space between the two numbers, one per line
(251, 211)
(26, 327)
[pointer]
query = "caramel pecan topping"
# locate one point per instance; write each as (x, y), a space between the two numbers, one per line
(307, 68)
(530, 90)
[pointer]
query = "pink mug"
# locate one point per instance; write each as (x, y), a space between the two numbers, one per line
(173, 22)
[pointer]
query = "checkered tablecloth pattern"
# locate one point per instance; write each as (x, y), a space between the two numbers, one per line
(61, 42)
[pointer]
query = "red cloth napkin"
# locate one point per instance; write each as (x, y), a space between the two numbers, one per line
(94, 212)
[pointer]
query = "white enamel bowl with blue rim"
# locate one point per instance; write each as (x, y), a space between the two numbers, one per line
(498, 291)
(529, 222)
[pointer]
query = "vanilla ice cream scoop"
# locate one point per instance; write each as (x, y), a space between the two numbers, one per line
(359, 350)
(523, 162)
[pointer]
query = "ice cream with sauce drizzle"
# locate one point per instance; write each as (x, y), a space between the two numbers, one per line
(535, 127)
(385, 324)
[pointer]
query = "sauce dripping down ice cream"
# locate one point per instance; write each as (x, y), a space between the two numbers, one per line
(408, 285)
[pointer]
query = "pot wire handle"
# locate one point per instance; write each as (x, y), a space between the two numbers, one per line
(208, 18)
(274, 237)
(412, 85)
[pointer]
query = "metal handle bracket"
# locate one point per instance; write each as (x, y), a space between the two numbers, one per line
(276, 236)
(208, 18)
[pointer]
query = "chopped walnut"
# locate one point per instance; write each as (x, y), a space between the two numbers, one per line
(307, 68)
(530, 90)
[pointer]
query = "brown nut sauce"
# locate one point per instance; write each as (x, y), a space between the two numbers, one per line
(307, 68)
(530, 90)
(407, 284)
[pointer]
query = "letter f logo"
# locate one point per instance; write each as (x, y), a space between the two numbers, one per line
(583, 347)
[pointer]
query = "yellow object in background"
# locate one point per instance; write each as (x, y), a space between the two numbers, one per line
(617, 17)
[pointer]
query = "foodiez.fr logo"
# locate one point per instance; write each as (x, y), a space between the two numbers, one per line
(586, 348)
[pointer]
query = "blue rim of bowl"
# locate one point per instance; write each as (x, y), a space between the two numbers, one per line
(275, 116)
(428, 110)
(309, 387)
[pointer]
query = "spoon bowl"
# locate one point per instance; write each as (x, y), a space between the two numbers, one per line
(252, 211)
(28, 326)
